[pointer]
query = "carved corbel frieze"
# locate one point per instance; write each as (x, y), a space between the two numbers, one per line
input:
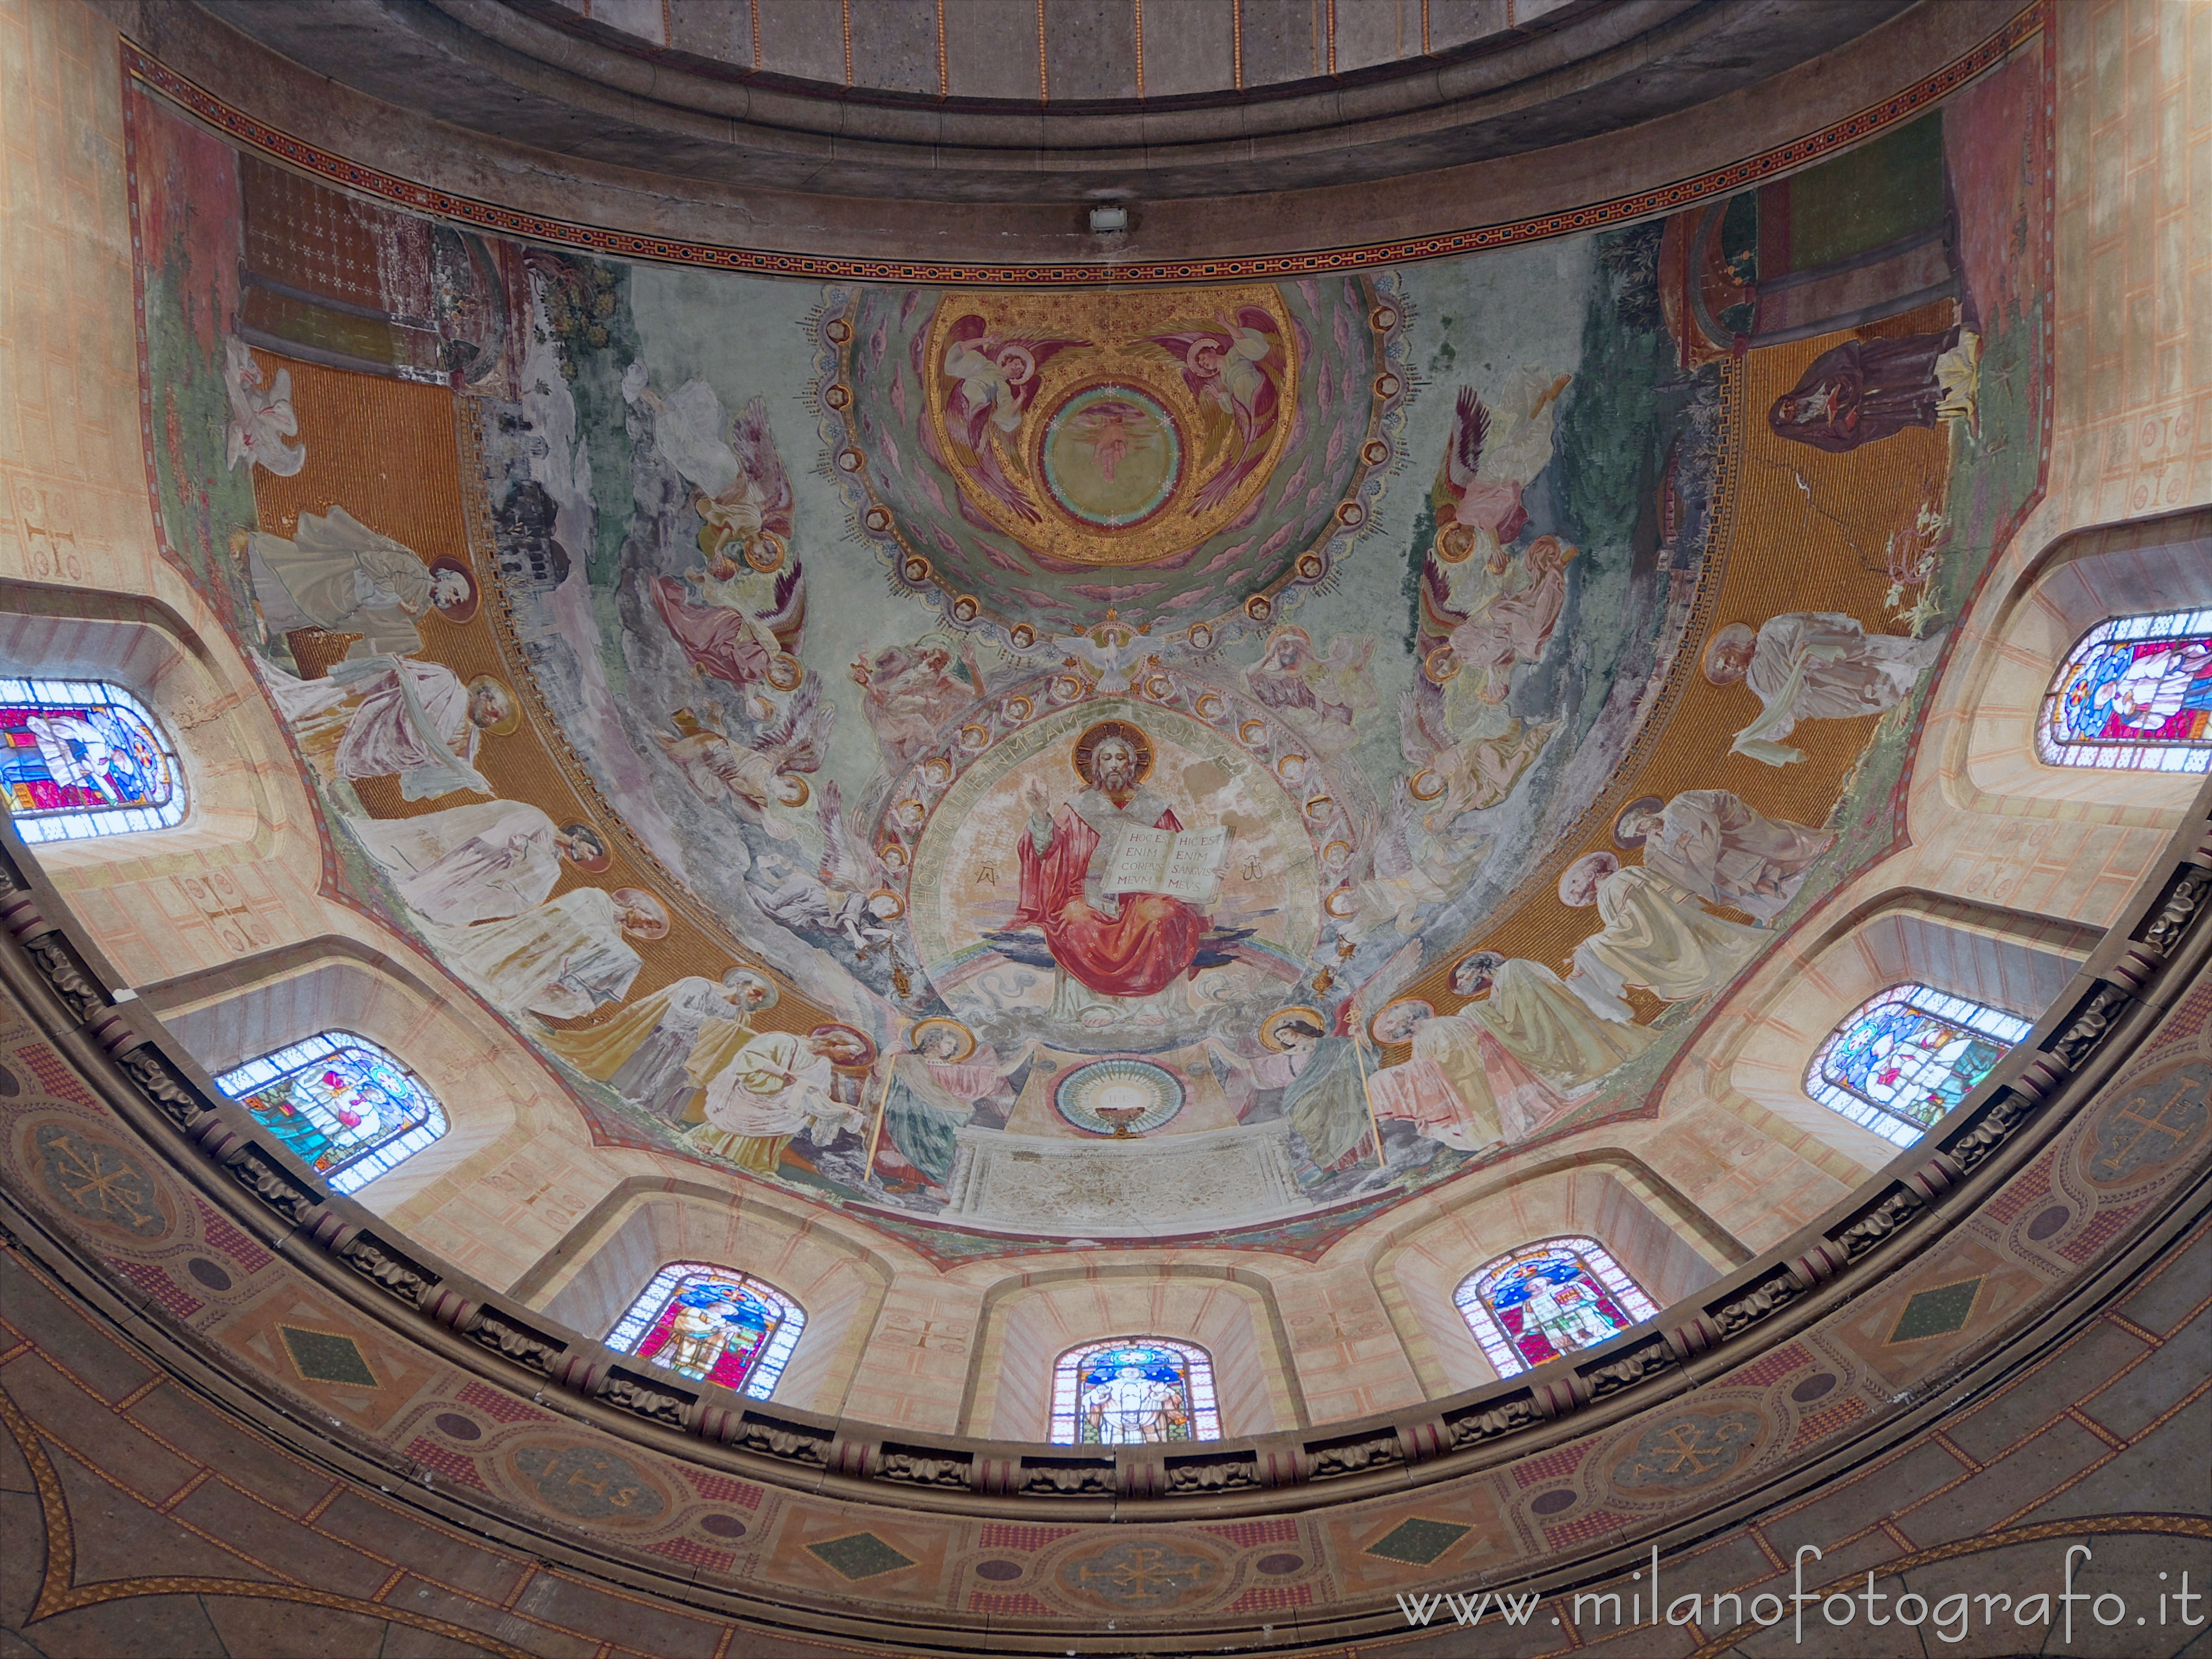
(1626, 1370)
(384, 1267)
(792, 1443)
(912, 1466)
(643, 1399)
(2178, 909)
(1335, 1458)
(261, 1177)
(1197, 1476)
(2092, 1024)
(1764, 1299)
(1492, 1421)
(512, 1339)
(1899, 1207)
(1055, 1477)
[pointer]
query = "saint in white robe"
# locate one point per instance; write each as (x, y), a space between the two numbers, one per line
(1658, 937)
(335, 572)
(394, 715)
(474, 863)
(1713, 844)
(1819, 666)
(775, 1089)
(652, 1074)
(560, 960)
(1540, 1021)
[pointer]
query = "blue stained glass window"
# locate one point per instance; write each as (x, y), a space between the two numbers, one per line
(1549, 1298)
(1907, 1057)
(1132, 1390)
(345, 1107)
(712, 1324)
(84, 758)
(2136, 695)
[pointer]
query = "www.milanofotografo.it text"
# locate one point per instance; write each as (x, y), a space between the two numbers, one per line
(1811, 1613)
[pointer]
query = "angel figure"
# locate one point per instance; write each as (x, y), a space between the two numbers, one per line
(261, 413)
(1494, 456)
(946, 1082)
(1326, 694)
(742, 495)
(908, 697)
(995, 379)
(749, 776)
(1401, 868)
(730, 643)
(1513, 626)
(997, 376)
(1233, 366)
(847, 893)
(1462, 775)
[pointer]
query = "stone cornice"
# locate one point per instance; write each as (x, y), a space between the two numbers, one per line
(2146, 960)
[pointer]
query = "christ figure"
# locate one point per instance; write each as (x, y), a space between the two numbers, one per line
(1124, 944)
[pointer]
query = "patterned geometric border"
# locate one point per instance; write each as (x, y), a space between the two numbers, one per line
(246, 130)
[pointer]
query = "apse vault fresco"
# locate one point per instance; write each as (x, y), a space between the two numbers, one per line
(1103, 762)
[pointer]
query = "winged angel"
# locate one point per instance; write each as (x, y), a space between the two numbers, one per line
(846, 893)
(1234, 367)
(994, 382)
(1494, 455)
(746, 776)
(1402, 868)
(1462, 775)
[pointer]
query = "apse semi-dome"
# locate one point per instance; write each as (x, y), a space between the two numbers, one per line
(859, 732)
(756, 888)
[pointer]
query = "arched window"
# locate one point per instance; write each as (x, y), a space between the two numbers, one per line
(84, 758)
(1134, 1390)
(345, 1107)
(2136, 694)
(1549, 1298)
(710, 1323)
(1907, 1057)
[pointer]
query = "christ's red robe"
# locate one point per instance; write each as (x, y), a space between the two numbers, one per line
(1131, 955)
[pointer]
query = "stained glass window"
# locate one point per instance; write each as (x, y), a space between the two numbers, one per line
(84, 758)
(1907, 1057)
(712, 1325)
(1134, 1390)
(345, 1107)
(1548, 1299)
(2136, 694)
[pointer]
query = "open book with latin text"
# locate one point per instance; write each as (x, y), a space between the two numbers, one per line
(1185, 865)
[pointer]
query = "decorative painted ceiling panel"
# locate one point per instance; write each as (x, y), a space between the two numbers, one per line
(1123, 762)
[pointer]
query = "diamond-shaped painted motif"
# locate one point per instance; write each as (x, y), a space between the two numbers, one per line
(1937, 1312)
(325, 1357)
(1418, 1542)
(861, 1555)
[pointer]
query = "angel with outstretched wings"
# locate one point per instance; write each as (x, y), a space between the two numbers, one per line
(747, 776)
(1494, 453)
(1233, 366)
(1462, 775)
(996, 378)
(846, 891)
